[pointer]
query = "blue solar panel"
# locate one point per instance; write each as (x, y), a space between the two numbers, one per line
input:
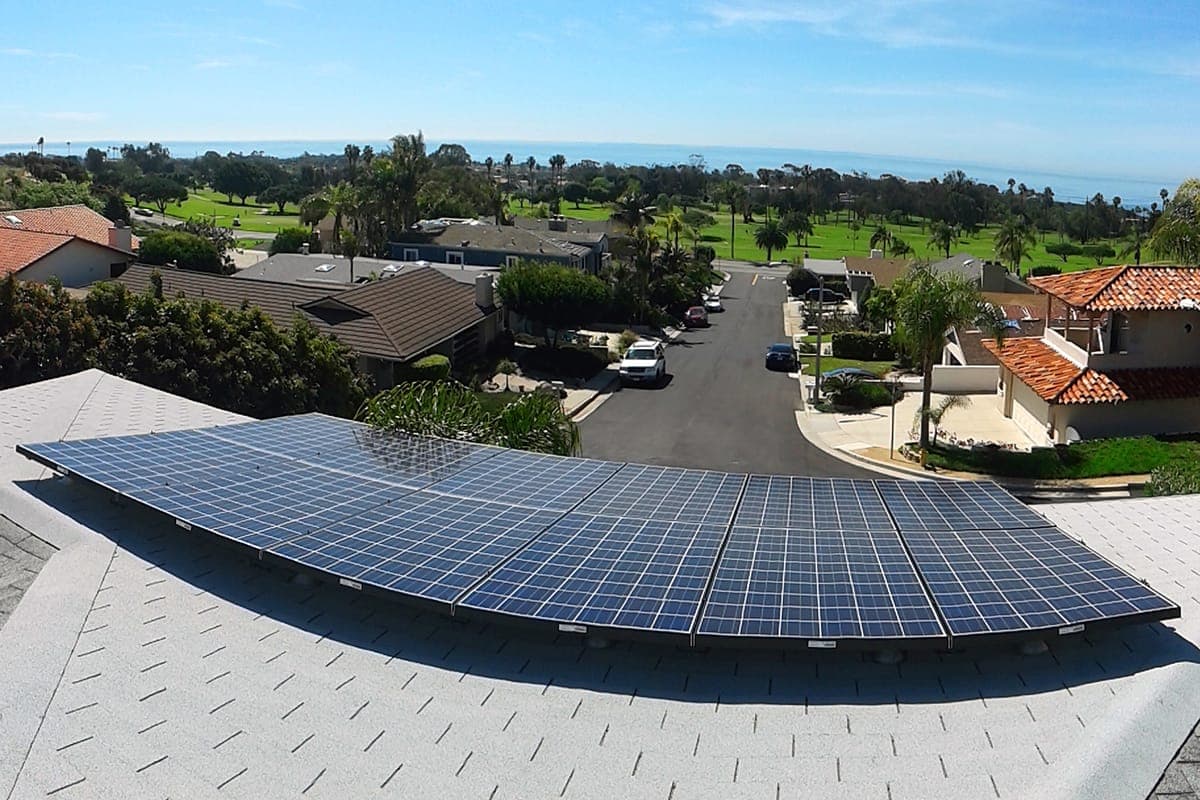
(825, 585)
(668, 494)
(1004, 581)
(356, 449)
(425, 545)
(528, 479)
(609, 571)
(828, 504)
(965, 505)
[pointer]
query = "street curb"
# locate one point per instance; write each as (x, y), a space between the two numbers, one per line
(602, 390)
(849, 457)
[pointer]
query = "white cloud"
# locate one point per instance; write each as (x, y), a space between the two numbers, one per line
(213, 63)
(25, 52)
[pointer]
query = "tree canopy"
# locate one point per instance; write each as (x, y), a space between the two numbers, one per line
(183, 250)
(555, 295)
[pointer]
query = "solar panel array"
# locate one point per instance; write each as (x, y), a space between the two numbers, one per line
(625, 547)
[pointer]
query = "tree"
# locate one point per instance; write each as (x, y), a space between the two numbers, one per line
(43, 194)
(800, 280)
(734, 194)
(928, 305)
(313, 209)
(531, 165)
(352, 152)
(880, 307)
(349, 243)
(162, 191)
(943, 236)
(180, 249)
(632, 209)
(855, 226)
(508, 162)
(555, 295)
(1176, 234)
(574, 193)
(673, 225)
(450, 155)
(770, 236)
(938, 412)
(342, 201)
(289, 240)
(535, 421)
(507, 368)
(1013, 241)
(240, 177)
(44, 332)
(600, 190)
(1098, 252)
(1063, 250)
(881, 238)
(799, 225)
(281, 194)
(93, 160)
(1134, 240)
(901, 248)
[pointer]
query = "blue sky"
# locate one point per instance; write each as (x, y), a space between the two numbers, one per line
(1112, 89)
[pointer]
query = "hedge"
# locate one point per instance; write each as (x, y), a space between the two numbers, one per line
(429, 368)
(561, 362)
(1049, 269)
(863, 346)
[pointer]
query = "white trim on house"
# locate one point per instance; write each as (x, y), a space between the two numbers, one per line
(456, 257)
(412, 254)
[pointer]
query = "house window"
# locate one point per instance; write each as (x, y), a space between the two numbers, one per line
(412, 254)
(455, 257)
(511, 261)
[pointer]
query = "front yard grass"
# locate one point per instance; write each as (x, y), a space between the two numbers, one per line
(1091, 459)
(829, 362)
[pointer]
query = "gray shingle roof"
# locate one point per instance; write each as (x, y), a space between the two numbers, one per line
(507, 238)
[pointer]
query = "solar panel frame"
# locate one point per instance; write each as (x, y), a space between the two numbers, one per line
(660, 493)
(845, 587)
(958, 505)
(1014, 583)
(573, 575)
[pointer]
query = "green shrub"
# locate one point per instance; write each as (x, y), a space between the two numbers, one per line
(862, 346)
(429, 368)
(800, 280)
(289, 240)
(1175, 477)
(627, 338)
(568, 361)
(1063, 249)
(1047, 269)
(853, 392)
(183, 250)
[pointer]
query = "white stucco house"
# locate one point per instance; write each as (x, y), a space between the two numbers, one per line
(1120, 356)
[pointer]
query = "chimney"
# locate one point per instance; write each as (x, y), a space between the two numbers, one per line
(876, 252)
(120, 237)
(558, 224)
(485, 296)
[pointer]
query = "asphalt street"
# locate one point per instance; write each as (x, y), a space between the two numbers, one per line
(721, 409)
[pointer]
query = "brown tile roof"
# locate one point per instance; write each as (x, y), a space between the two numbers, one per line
(1128, 288)
(885, 270)
(394, 319)
(1058, 380)
(19, 249)
(75, 220)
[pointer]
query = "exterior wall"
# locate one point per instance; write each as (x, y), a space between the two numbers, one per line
(1143, 418)
(436, 254)
(1157, 339)
(77, 263)
(965, 379)
(1030, 412)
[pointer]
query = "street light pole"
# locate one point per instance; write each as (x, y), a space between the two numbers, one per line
(820, 314)
(893, 385)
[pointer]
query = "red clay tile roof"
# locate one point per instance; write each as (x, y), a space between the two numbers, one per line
(1128, 288)
(19, 249)
(1058, 380)
(76, 220)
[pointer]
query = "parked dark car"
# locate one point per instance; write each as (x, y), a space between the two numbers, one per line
(849, 372)
(781, 356)
(814, 294)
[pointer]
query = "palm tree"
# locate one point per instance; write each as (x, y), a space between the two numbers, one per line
(632, 209)
(489, 163)
(732, 193)
(928, 305)
(342, 201)
(531, 165)
(1176, 235)
(943, 236)
(1013, 241)
(673, 225)
(1135, 237)
(1163, 193)
(770, 236)
(352, 153)
(349, 242)
(900, 247)
(557, 162)
(882, 237)
(508, 162)
(855, 226)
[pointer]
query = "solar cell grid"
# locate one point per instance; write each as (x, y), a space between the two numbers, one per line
(668, 494)
(610, 571)
(354, 448)
(967, 505)
(1003, 581)
(426, 545)
(530, 479)
(793, 583)
(781, 501)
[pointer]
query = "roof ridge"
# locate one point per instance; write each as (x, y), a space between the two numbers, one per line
(1058, 395)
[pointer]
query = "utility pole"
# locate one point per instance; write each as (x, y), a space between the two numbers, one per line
(820, 315)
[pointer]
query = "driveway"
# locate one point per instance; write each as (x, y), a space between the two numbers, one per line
(722, 409)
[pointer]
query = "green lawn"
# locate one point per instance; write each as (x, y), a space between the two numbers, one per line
(210, 205)
(1093, 459)
(829, 362)
(586, 211)
(834, 240)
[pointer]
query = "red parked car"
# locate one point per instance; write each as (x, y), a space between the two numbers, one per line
(696, 317)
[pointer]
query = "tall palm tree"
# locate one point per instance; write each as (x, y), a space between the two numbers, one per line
(1013, 241)
(927, 306)
(508, 162)
(489, 163)
(557, 163)
(770, 236)
(342, 201)
(882, 238)
(531, 165)
(673, 225)
(1135, 237)
(943, 236)
(1163, 193)
(901, 248)
(732, 193)
(352, 153)
(632, 209)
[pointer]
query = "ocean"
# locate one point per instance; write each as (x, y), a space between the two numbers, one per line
(1067, 187)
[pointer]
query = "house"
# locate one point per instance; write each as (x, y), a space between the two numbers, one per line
(327, 270)
(39, 256)
(989, 276)
(1119, 356)
(879, 271)
(483, 244)
(386, 322)
(1024, 315)
(73, 220)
